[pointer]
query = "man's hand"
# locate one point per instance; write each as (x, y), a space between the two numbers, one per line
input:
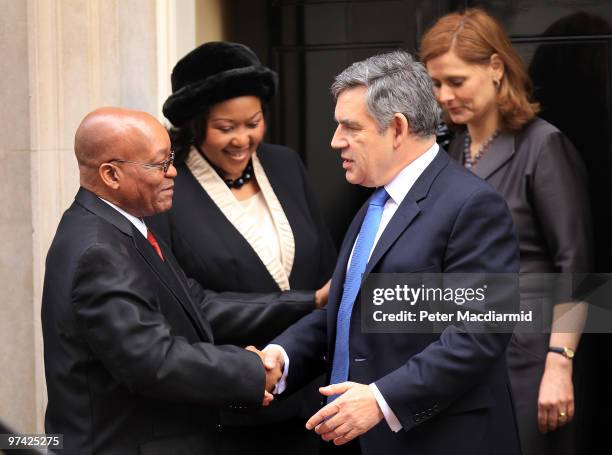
(353, 413)
(321, 295)
(556, 397)
(273, 359)
(273, 374)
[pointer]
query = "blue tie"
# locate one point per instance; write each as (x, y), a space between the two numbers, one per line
(352, 283)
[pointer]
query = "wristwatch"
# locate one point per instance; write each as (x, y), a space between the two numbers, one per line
(566, 352)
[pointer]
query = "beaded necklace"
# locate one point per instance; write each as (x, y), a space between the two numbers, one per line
(470, 162)
(246, 176)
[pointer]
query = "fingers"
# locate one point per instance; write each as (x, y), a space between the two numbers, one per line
(268, 397)
(339, 431)
(274, 364)
(552, 419)
(273, 358)
(324, 413)
(322, 294)
(352, 434)
(273, 369)
(553, 416)
(336, 389)
(330, 424)
(272, 378)
(256, 351)
(547, 418)
(353, 413)
(566, 413)
(570, 411)
(332, 408)
(542, 420)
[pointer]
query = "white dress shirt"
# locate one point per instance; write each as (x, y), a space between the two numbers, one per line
(137, 222)
(397, 190)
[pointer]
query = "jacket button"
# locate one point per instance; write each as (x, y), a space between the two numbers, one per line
(219, 428)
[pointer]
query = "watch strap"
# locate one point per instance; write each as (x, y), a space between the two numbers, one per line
(564, 351)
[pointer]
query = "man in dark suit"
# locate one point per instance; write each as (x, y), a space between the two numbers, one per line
(405, 393)
(130, 363)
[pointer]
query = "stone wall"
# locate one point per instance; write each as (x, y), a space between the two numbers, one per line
(61, 59)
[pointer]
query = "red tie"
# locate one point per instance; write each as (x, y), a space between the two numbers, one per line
(154, 244)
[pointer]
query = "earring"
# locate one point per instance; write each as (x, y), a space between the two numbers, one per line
(496, 83)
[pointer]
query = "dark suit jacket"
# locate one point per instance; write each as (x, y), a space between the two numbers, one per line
(129, 357)
(540, 174)
(450, 390)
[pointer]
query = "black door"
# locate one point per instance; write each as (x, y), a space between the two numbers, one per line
(567, 45)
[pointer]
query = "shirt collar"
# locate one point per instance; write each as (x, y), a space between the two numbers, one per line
(402, 183)
(137, 222)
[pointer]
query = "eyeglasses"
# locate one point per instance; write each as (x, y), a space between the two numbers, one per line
(164, 165)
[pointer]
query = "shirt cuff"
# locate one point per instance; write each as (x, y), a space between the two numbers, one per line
(281, 385)
(390, 417)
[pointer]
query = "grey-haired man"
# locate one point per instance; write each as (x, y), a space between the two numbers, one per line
(405, 393)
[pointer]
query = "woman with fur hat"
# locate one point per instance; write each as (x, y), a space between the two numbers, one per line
(244, 218)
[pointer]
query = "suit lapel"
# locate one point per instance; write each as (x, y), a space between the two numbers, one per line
(499, 152)
(402, 218)
(408, 209)
(96, 206)
(164, 273)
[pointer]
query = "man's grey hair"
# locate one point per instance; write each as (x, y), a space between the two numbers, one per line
(395, 83)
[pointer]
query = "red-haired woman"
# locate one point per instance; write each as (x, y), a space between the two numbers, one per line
(483, 87)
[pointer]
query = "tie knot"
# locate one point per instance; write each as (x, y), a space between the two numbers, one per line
(379, 197)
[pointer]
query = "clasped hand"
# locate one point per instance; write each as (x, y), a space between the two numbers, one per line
(274, 371)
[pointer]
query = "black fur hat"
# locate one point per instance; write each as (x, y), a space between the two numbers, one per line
(215, 72)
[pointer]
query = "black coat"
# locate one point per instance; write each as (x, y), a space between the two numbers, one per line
(130, 363)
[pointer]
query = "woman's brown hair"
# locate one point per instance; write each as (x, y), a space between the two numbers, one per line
(474, 37)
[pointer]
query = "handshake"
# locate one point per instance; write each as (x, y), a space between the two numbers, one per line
(352, 408)
(274, 365)
(273, 359)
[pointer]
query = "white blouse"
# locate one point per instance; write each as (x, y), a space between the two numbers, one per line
(258, 210)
